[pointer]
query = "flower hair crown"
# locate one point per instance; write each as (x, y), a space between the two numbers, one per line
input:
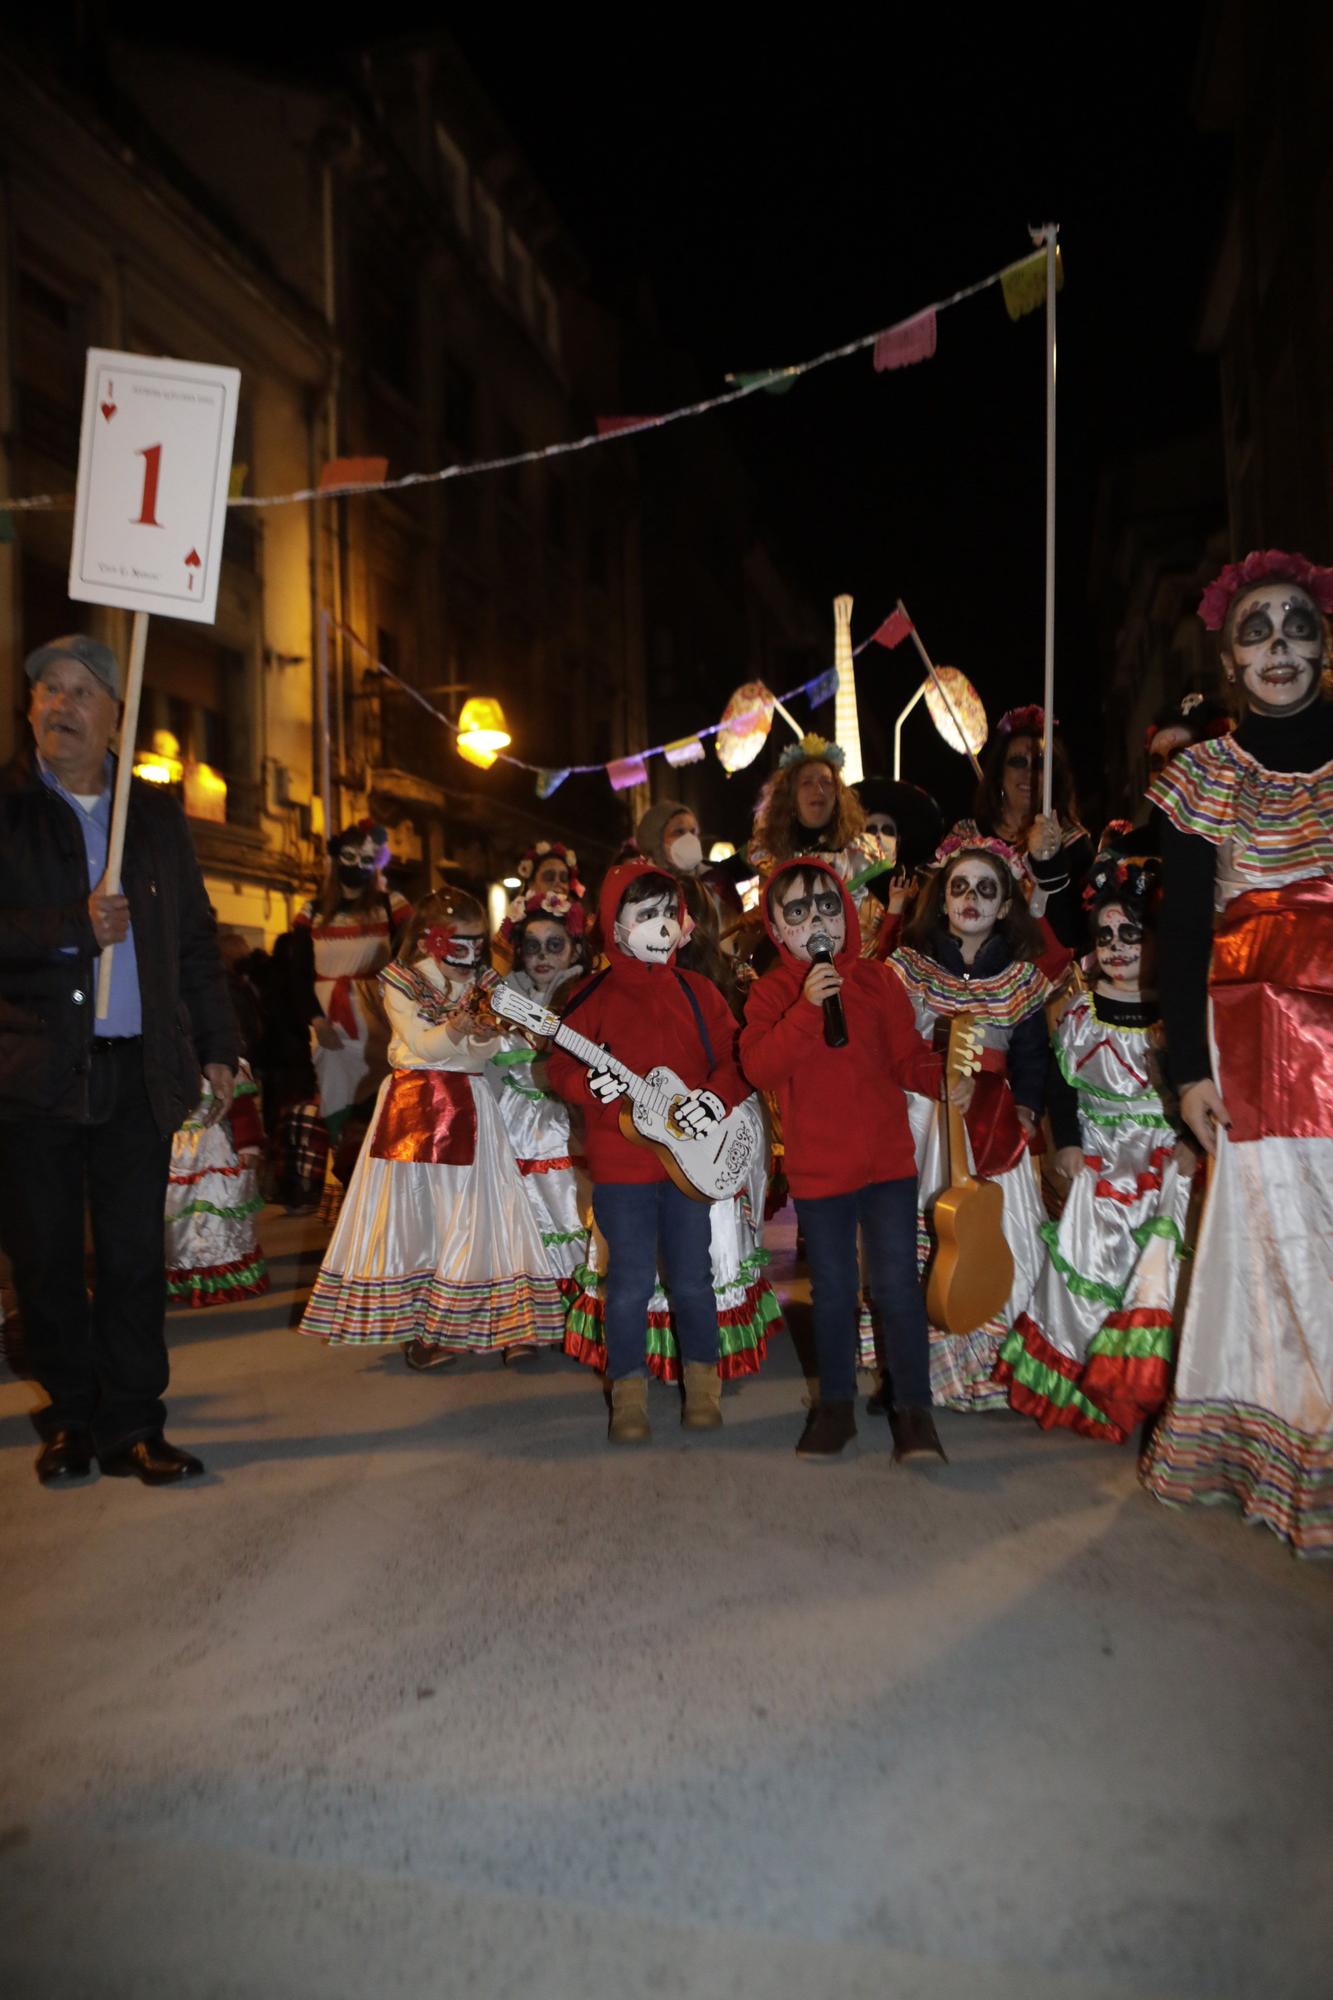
(1029, 721)
(1257, 567)
(812, 750)
(964, 841)
(1135, 877)
(534, 856)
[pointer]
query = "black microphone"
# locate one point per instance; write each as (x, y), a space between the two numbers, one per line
(835, 1021)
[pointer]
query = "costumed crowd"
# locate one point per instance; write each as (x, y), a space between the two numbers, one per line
(1054, 1112)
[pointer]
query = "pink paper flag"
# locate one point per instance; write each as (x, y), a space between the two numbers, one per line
(894, 629)
(898, 346)
(627, 771)
(608, 426)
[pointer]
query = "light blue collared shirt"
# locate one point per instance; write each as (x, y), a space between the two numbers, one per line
(125, 1011)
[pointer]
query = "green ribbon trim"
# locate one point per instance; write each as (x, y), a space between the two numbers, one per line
(1048, 1383)
(1133, 1343)
(1086, 1089)
(508, 1057)
(234, 1281)
(237, 1214)
(553, 1236)
(868, 874)
(1093, 1288)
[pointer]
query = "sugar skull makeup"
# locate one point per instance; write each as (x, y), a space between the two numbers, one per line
(1118, 941)
(974, 897)
(649, 929)
(811, 904)
(357, 860)
(547, 950)
(551, 873)
(1277, 647)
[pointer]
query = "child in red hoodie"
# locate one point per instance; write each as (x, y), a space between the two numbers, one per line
(645, 1011)
(849, 1154)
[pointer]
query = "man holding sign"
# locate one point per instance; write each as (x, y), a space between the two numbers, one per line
(88, 1106)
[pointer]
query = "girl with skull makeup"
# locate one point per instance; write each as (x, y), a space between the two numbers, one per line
(1247, 996)
(350, 931)
(547, 948)
(1092, 1351)
(646, 1012)
(437, 1245)
(971, 947)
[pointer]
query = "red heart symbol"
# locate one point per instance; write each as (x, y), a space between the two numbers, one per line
(192, 560)
(108, 411)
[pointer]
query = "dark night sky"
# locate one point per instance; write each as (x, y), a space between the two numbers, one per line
(781, 193)
(777, 192)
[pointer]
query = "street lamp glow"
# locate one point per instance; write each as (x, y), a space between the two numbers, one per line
(482, 734)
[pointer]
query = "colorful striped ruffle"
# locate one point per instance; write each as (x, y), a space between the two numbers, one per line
(473, 1319)
(1001, 1001)
(1123, 1381)
(1280, 821)
(218, 1284)
(1217, 1451)
(743, 1329)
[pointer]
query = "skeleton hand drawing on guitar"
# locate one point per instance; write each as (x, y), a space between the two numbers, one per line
(971, 1269)
(708, 1151)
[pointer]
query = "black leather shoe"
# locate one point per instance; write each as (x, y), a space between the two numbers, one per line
(829, 1429)
(67, 1454)
(152, 1460)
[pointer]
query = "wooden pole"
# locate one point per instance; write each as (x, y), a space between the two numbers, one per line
(120, 804)
(1051, 234)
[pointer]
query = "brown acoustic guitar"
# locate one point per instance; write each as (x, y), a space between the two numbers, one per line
(972, 1269)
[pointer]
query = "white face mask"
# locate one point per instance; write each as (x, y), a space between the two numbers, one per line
(685, 853)
(649, 931)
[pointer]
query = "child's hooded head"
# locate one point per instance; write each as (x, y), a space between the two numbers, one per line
(647, 925)
(806, 903)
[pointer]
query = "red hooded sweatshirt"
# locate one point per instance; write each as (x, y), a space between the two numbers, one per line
(643, 1015)
(844, 1115)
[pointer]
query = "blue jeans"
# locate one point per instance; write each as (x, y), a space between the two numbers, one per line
(886, 1212)
(645, 1225)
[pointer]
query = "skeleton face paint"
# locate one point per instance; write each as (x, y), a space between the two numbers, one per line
(463, 951)
(974, 897)
(356, 864)
(1023, 763)
(649, 930)
(815, 794)
(1119, 945)
(1277, 647)
(551, 873)
(805, 912)
(548, 950)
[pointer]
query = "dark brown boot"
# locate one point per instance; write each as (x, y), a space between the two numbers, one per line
(915, 1435)
(828, 1429)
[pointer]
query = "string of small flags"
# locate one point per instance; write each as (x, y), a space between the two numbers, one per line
(1023, 285)
(622, 772)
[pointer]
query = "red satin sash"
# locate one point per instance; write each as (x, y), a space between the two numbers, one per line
(1272, 991)
(998, 1139)
(428, 1116)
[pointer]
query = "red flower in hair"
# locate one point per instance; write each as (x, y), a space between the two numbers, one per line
(1256, 566)
(437, 941)
(1029, 721)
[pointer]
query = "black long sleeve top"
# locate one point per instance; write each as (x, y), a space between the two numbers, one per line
(1189, 874)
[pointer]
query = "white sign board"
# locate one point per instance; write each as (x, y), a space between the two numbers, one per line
(154, 467)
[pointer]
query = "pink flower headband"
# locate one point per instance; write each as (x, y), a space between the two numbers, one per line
(1257, 566)
(978, 843)
(1029, 721)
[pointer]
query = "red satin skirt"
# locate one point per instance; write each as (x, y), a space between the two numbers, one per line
(1271, 985)
(427, 1116)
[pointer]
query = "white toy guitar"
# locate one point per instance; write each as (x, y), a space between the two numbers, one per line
(712, 1166)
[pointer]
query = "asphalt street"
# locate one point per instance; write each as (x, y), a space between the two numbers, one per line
(426, 1690)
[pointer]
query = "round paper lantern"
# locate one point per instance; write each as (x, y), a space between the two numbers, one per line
(746, 721)
(967, 706)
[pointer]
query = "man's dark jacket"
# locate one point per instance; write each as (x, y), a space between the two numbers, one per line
(48, 994)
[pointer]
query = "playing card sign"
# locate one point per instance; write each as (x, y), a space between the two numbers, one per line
(154, 465)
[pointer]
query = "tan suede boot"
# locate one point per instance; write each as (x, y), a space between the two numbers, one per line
(629, 1411)
(703, 1397)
